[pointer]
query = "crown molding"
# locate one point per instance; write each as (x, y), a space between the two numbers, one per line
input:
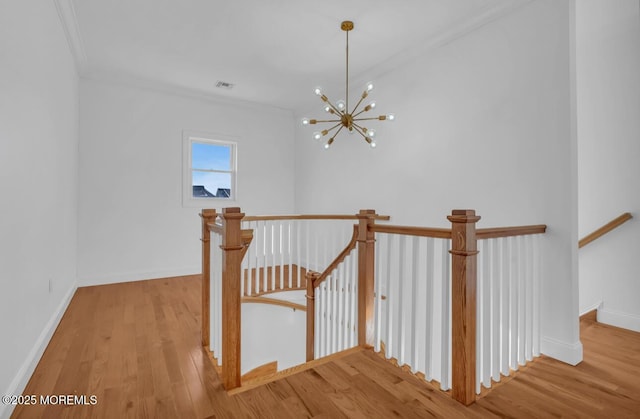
(444, 37)
(122, 79)
(68, 18)
(69, 21)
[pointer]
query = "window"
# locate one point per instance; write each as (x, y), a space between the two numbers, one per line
(209, 169)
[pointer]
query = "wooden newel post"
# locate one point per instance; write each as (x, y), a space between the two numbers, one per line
(366, 263)
(463, 306)
(208, 216)
(231, 299)
(311, 314)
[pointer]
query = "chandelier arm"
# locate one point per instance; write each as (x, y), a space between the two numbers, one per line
(334, 127)
(376, 118)
(356, 107)
(361, 112)
(330, 141)
(361, 128)
(358, 130)
(327, 120)
(337, 132)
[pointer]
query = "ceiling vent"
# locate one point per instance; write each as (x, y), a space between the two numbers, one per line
(224, 85)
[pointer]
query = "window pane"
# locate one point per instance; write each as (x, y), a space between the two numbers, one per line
(210, 156)
(209, 185)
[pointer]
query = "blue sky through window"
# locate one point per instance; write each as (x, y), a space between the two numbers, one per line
(206, 157)
(210, 156)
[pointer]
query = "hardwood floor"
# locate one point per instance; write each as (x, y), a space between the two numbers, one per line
(136, 347)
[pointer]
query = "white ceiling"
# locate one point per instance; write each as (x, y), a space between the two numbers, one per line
(274, 52)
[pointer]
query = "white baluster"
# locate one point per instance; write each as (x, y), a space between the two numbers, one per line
(377, 306)
(537, 266)
(485, 331)
(338, 312)
(505, 312)
(445, 359)
(528, 298)
(521, 300)
(334, 311)
(250, 259)
(413, 312)
(495, 309)
(391, 299)
(513, 297)
(429, 312)
(400, 313)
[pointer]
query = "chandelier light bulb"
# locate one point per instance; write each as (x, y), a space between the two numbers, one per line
(369, 87)
(305, 121)
(371, 133)
(317, 135)
(318, 91)
(391, 117)
(340, 104)
(326, 146)
(372, 144)
(328, 109)
(370, 106)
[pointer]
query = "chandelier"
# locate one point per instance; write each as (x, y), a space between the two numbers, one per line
(351, 120)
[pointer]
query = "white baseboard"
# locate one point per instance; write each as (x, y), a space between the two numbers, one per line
(23, 375)
(571, 353)
(114, 278)
(618, 319)
(589, 309)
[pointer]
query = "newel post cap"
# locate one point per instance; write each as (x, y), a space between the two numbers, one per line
(232, 212)
(463, 216)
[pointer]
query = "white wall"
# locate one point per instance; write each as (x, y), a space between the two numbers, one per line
(38, 184)
(484, 122)
(132, 224)
(608, 64)
(274, 333)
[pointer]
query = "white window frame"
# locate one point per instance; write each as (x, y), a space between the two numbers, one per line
(190, 137)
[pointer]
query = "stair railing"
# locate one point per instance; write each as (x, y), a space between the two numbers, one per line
(435, 314)
(285, 247)
(508, 310)
(249, 257)
(412, 313)
(616, 222)
(331, 310)
(389, 286)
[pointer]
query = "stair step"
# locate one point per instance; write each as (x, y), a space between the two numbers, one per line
(251, 384)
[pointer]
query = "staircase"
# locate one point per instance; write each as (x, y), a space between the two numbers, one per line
(418, 296)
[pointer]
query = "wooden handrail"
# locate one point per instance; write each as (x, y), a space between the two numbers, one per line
(314, 279)
(275, 302)
(216, 228)
(247, 237)
(345, 252)
(604, 229)
(497, 232)
(439, 233)
(310, 217)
